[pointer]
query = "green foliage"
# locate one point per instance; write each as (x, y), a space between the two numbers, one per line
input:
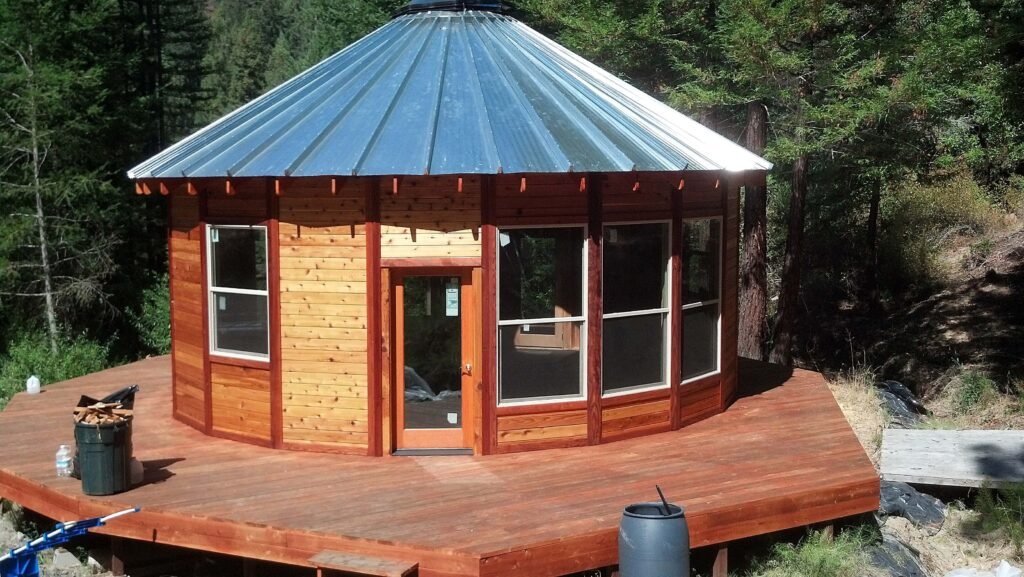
(817, 556)
(153, 319)
(976, 389)
(1003, 510)
(31, 355)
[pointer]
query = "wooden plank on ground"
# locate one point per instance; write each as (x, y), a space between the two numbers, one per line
(953, 458)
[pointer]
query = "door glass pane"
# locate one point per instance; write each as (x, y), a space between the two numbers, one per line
(433, 352)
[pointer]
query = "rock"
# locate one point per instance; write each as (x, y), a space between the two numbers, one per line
(922, 510)
(901, 404)
(895, 559)
(64, 560)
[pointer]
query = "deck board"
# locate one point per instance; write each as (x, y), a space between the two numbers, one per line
(781, 456)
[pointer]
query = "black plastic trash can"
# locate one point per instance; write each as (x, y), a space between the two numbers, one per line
(104, 457)
(653, 544)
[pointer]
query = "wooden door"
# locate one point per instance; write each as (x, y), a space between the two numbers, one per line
(434, 322)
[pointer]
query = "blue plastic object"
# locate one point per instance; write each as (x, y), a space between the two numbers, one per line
(24, 561)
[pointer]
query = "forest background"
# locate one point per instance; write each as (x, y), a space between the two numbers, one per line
(896, 128)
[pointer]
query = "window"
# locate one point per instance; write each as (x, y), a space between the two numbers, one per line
(238, 291)
(701, 297)
(541, 315)
(636, 298)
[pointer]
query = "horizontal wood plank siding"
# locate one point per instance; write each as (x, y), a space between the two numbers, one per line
(700, 399)
(539, 430)
(186, 278)
(323, 314)
(547, 199)
(241, 401)
(643, 196)
(634, 419)
(429, 218)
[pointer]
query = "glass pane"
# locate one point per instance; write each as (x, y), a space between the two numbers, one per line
(701, 241)
(635, 261)
(541, 273)
(239, 258)
(240, 323)
(433, 352)
(537, 361)
(634, 352)
(700, 341)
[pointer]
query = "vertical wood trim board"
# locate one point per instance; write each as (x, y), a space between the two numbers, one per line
(676, 313)
(205, 301)
(373, 315)
(730, 289)
(274, 293)
(489, 389)
(594, 304)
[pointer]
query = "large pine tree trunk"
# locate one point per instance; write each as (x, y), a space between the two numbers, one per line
(789, 297)
(754, 265)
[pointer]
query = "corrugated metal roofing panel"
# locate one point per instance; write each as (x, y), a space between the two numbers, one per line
(450, 92)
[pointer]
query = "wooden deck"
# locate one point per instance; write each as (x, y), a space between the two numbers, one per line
(782, 456)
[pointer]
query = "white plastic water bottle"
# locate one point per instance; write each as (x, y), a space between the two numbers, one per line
(64, 461)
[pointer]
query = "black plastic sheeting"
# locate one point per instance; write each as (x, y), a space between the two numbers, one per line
(902, 405)
(896, 559)
(902, 500)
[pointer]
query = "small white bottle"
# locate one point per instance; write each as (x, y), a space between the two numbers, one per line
(63, 461)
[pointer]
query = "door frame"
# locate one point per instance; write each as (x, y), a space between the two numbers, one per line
(433, 439)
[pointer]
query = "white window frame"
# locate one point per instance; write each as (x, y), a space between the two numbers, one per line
(546, 400)
(686, 307)
(212, 291)
(666, 310)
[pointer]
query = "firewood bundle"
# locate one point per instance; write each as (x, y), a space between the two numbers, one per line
(102, 414)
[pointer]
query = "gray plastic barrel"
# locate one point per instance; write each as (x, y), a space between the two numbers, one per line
(653, 544)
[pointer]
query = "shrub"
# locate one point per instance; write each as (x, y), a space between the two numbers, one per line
(976, 389)
(153, 320)
(1003, 510)
(31, 355)
(817, 556)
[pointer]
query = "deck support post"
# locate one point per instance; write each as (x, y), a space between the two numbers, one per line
(721, 566)
(117, 556)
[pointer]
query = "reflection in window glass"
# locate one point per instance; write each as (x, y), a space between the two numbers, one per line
(701, 243)
(540, 278)
(239, 258)
(635, 259)
(700, 341)
(701, 293)
(238, 291)
(635, 299)
(541, 273)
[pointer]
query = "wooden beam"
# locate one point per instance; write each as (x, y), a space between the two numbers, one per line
(229, 187)
(274, 287)
(191, 189)
(164, 190)
(489, 242)
(721, 566)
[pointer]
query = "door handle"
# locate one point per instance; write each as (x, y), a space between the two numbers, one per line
(467, 369)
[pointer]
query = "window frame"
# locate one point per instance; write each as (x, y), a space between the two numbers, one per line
(666, 310)
(582, 319)
(718, 220)
(212, 290)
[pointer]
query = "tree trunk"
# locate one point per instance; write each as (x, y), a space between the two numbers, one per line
(871, 270)
(40, 216)
(789, 297)
(754, 265)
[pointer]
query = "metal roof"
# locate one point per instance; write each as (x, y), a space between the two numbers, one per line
(450, 92)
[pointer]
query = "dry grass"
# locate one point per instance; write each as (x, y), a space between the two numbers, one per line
(960, 543)
(855, 392)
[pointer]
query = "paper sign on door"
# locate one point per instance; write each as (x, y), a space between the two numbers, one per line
(451, 300)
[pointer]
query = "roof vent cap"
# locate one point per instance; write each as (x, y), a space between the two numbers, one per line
(452, 6)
